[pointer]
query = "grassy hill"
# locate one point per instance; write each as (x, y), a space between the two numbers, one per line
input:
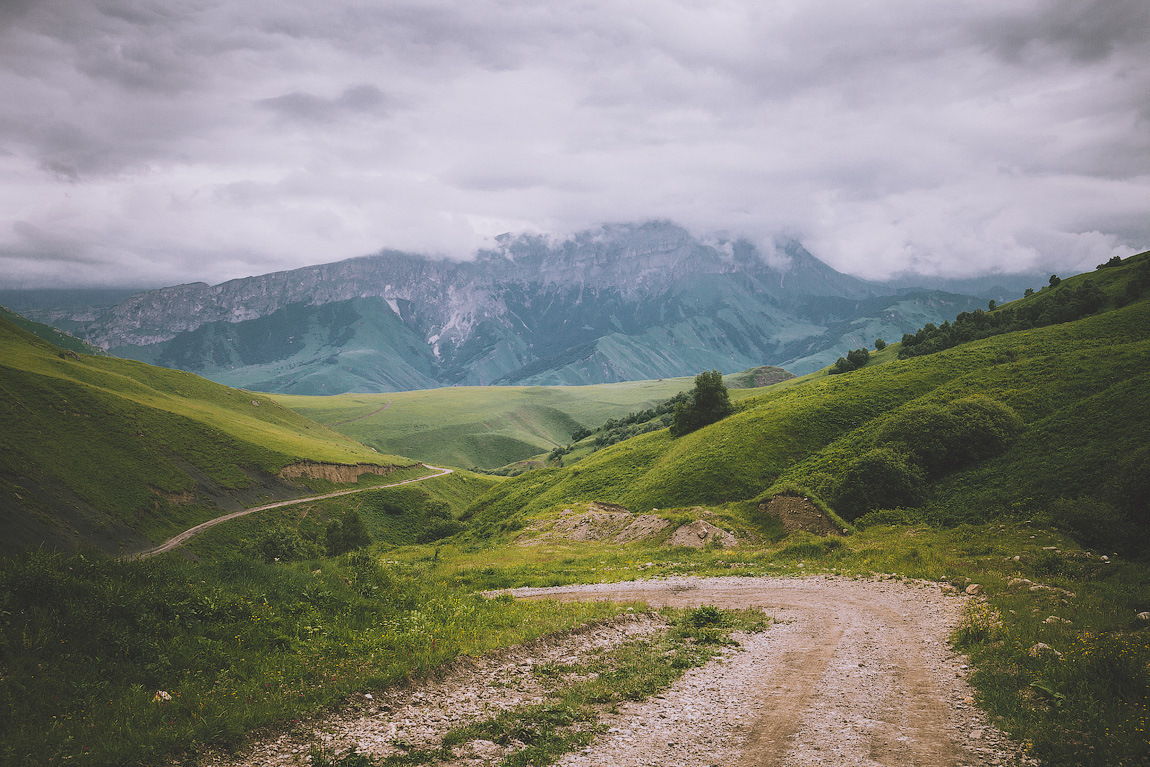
(487, 427)
(119, 453)
(50, 334)
(479, 426)
(1081, 390)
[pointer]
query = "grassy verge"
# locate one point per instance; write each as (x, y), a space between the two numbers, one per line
(579, 693)
(123, 662)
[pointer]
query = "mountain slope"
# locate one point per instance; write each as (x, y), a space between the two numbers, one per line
(1082, 390)
(120, 454)
(622, 302)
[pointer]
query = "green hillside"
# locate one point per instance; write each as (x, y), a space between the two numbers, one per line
(1081, 390)
(48, 333)
(479, 426)
(119, 453)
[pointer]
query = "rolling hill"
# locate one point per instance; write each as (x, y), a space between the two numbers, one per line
(117, 453)
(1080, 389)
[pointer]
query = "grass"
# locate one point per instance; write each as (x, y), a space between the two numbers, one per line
(111, 450)
(579, 693)
(126, 662)
(483, 427)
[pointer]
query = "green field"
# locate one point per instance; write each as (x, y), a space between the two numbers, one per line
(487, 427)
(482, 427)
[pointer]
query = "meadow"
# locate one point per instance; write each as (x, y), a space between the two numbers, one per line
(482, 427)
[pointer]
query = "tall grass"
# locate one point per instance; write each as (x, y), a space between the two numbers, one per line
(121, 663)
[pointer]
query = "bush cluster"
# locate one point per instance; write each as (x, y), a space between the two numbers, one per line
(1051, 308)
(854, 360)
(918, 444)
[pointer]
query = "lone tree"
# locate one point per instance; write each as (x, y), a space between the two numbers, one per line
(707, 402)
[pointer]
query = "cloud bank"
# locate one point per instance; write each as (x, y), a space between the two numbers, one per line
(147, 143)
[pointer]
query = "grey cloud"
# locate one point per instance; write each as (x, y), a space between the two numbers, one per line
(359, 99)
(1085, 30)
(197, 139)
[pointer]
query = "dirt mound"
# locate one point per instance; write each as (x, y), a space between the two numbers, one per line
(600, 522)
(698, 534)
(644, 526)
(615, 524)
(799, 514)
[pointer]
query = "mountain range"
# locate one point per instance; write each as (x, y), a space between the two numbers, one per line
(621, 302)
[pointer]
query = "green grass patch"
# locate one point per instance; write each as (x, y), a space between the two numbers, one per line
(113, 451)
(126, 662)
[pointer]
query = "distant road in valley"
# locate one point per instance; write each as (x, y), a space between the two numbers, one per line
(181, 538)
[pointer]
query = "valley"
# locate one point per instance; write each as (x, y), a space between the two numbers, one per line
(970, 530)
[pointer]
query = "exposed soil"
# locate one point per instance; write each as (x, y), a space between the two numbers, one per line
(857, 672)
(608, 522)
(699, 533)
(338, 473)
(799, 514)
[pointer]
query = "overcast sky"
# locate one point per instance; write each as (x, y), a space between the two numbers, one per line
(149, 142)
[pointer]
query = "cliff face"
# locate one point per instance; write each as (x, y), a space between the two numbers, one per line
(619, 302)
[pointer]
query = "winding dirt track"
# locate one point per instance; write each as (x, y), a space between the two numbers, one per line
(858, 673)
(181, 538)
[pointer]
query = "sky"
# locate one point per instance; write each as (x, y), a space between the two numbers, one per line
(147, 143)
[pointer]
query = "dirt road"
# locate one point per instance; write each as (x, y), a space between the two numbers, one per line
(855, 672)
(859, 673)
(182, 538)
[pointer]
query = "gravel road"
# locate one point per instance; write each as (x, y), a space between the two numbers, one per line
(859, 672)
(855, 672)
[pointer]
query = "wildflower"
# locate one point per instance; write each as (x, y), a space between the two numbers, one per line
(161, 696)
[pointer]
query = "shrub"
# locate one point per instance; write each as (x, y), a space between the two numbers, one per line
(941, 438)
(438, 529)
(346, 534)
(854, 360)
(878, 479)
(280, 544)
(980, 622)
